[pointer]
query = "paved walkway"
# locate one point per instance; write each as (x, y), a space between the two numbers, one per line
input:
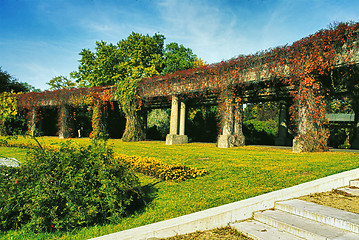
(9, 162)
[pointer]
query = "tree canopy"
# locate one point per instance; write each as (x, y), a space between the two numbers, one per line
(8, 83)
(127, 62)
(178, 58)
(136, 57)
(61, 82)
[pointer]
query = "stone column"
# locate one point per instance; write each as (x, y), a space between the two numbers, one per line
(239, 139)
(311, 135)
(232, 120)
(281, 139)
(96, 121)
(182, 118)
(32, 122)
(64, 121)
(177, 123)
(174, 116)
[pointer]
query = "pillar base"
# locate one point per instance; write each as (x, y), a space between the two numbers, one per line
(172, 139)
(297, 145)
(225, 141)
(238, 140)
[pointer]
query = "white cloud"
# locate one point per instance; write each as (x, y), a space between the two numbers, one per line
(201, 25)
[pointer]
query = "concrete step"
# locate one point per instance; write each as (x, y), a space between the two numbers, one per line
(260, 231)
(354, 183)
(303, 227)
(331, 216)
(353, 191)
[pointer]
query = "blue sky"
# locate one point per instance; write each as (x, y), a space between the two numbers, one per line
(41, 39)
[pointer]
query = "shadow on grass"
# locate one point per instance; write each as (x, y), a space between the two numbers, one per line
(149, 193)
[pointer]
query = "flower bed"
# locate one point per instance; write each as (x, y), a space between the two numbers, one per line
(156, 168)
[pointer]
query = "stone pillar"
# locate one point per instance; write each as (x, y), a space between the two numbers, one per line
(32, 122)
(182, 118)
(64, 121)
(96, 121)
(312, 136)
(232, 118)
(239, 138)
(174, 116)
(177, 123)
(281, 139)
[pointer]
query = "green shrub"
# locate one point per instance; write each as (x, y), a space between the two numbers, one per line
(260, 132)
(67, 188)
(148, 166)
(11, 199)
(158, 123)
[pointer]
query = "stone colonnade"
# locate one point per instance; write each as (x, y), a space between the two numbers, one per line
(232, 120)
(64, 131)
(231, 129)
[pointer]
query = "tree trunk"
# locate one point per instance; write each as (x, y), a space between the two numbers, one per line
(134, 130)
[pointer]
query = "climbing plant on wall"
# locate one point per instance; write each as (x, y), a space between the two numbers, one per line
(305, 67)
(93, 97)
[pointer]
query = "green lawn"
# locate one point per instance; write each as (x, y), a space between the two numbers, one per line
(234, 174)
(19, 154)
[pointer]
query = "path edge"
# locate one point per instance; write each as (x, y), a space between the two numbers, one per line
(221, 216)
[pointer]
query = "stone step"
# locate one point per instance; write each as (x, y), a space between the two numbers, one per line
(260, 231)
(303, 227)
(354, 183)
(331, 216)
(353, 191)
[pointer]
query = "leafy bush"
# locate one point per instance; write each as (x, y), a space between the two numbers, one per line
(202, 124)
(158, 123)
(338, 136)
(66, 188)
(260, 132)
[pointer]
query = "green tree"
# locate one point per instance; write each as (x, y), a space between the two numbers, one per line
(260, 123)
(30, 88)
(10, 120)
(8, 83)
(199, 62)
(61, 82)
(126, 63)
(135, 57)
(178, 58)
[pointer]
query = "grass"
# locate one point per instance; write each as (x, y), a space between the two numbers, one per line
(234, 174)
(19, 154)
